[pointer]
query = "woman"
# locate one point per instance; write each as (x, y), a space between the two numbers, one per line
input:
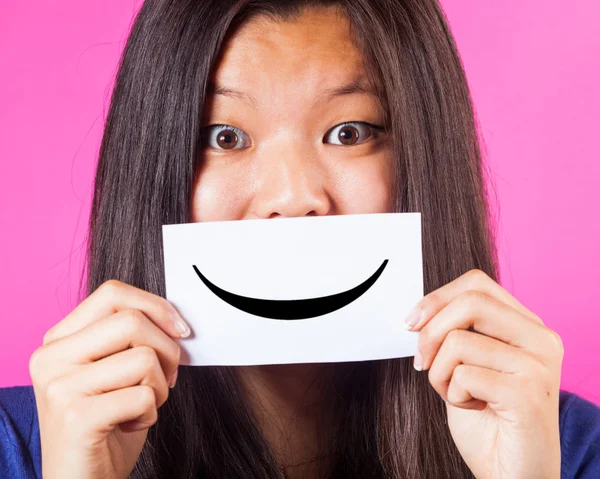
(259, 109)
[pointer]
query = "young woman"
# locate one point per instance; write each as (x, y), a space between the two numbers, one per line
(240, 109)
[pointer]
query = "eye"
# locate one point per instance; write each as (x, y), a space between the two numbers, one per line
(351, 133)
(224, 137)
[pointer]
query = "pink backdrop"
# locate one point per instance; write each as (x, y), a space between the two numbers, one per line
(533, 65)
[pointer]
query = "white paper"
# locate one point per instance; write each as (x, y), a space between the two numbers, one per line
(295, 259)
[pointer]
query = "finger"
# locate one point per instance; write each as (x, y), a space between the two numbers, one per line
(103, 338)
(474, 280)
(137, 403)
(92, 418)
(113, 296)
(472, 385)
(493, 318)
(466, 347)
(136, 366)
(514, 397)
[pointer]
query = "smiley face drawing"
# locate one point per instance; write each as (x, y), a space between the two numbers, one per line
(291, 309)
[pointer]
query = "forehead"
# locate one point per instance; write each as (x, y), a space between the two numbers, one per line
(308, 54)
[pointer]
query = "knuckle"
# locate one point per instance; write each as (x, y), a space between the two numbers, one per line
(55, 392)
(146, 357)
(456, 392)
(152, 417)
(35, 362)
(556, 343)
(146, 398)
(133, 320)
(452, 394)
(110, 287)
(460, 373)
(49, 335)
(455, 340)
(470, 300)
(434, 376)
(475, 276)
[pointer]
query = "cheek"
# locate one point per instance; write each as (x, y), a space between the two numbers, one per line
(219, 195)
(364, 187)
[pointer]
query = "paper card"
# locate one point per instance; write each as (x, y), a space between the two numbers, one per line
(295, 290)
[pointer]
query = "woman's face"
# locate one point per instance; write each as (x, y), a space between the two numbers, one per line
(292, 126)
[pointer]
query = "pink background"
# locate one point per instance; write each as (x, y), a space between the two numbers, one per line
(534, 68)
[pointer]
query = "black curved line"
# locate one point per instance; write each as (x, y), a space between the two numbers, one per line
(291, 309)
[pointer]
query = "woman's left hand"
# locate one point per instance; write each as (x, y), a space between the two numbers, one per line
(501, 381)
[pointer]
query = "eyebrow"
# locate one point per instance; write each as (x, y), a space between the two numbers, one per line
(358, 85)
(218, 89)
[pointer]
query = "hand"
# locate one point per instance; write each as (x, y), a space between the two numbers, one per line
(99, 378)
(501, 381)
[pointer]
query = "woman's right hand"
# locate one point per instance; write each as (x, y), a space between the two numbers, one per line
(99, 378)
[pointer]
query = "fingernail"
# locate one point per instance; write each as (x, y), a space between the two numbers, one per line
(181, 327)
(413, 318)
(418, 362)
(173, 380)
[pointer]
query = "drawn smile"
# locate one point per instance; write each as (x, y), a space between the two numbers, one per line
(293, 308)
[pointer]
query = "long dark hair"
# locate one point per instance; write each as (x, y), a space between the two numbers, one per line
(389, 421)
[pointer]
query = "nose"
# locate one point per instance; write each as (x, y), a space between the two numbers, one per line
(290, 184)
